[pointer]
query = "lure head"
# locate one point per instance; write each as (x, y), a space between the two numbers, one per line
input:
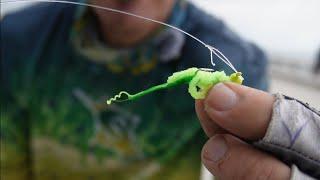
(236, 78)
(204, 80)
(201, 84)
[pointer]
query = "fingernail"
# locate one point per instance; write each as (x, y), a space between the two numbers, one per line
(216, 149)
(221, 98)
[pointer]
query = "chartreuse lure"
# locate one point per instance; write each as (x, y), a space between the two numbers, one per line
(200, 81)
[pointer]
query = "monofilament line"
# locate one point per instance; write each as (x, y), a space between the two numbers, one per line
(221, 56)
(212, 50)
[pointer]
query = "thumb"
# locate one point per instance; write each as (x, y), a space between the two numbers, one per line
(242, 111)
(227, 157)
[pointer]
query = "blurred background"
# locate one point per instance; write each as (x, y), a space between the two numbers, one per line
(288, 30)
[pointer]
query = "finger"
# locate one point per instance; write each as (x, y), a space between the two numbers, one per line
(209, 126)
(242, 111)
(227, 157)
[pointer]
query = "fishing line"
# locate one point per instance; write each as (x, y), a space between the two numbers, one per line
(212, 49)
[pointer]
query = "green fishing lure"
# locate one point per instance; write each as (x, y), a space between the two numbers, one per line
(200, 81)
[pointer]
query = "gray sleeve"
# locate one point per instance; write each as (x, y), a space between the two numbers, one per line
(293, 135)
(296, 174)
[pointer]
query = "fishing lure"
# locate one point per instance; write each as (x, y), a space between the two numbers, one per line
(200, 81)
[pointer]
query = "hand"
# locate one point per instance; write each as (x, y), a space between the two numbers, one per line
(228, 113)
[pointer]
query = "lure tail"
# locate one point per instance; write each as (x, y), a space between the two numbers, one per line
(120, 97)
(176, 79)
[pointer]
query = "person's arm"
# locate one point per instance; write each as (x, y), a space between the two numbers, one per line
(14, 130)
(282, 126)
(293, 134)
